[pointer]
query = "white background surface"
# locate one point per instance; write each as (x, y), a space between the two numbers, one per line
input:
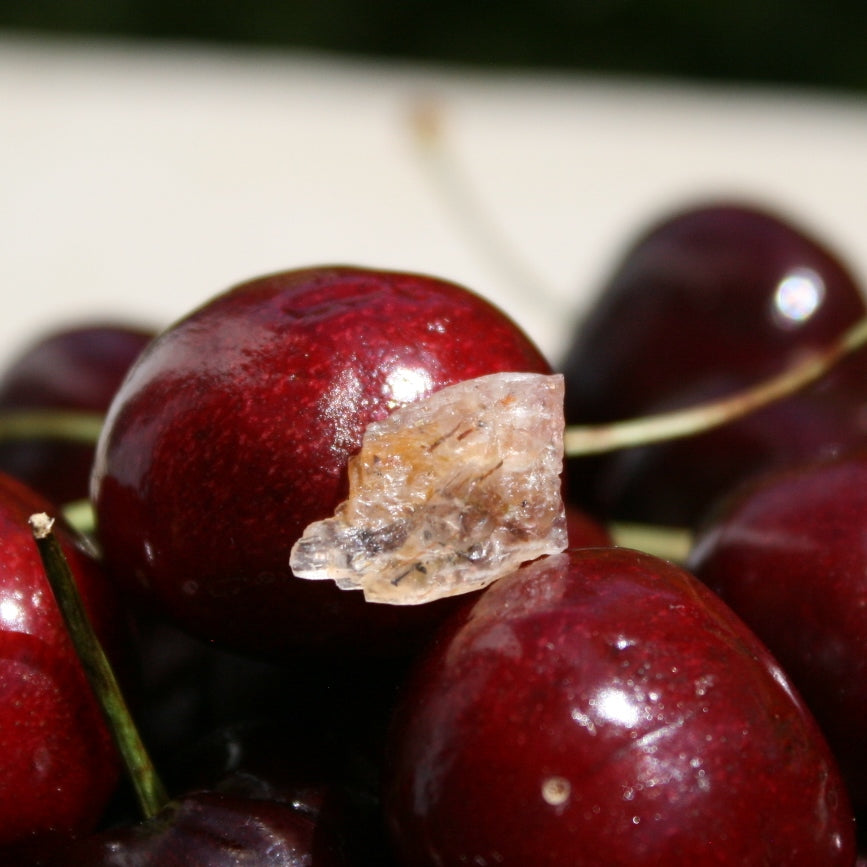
(139, 181)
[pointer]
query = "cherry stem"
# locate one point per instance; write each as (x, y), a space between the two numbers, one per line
(594, 439)
(81, 427)
(149, 789)
(670, 543)
(427, 125)
(80, 514)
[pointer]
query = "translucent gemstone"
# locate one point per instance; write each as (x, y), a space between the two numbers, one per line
(447, 494)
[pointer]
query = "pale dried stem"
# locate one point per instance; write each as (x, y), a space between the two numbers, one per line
(427, 123)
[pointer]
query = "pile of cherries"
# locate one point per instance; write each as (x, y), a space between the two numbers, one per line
(603, 706)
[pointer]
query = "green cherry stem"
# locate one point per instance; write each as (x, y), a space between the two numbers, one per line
(149, 790)
(82, 427)
(594, 439)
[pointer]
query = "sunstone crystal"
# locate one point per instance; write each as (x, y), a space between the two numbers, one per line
(448, 493)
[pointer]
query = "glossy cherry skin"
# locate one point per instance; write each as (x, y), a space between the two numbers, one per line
(708, 301)
(788, 552)
(58, 765)
(78, 368)
(233, 432)
(209, 828)
(603, 707)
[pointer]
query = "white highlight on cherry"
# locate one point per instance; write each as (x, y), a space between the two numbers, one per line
(798, 295)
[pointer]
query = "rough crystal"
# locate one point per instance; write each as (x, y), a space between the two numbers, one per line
(447, 493)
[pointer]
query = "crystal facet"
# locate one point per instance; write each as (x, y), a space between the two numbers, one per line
(447, 494)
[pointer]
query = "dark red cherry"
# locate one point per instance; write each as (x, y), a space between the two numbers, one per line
(75, 368)
(233, 432)
(58, 764)
(788, 551)
(706, 302)
(208, 828)
(584, 531)
(603, 707)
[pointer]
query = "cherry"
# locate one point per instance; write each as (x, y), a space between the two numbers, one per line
(788, 552)
(208, 828)
(58, 765)
(233, 432)
(708, 301)
(603, 707)
(584, 531)
(74, 368)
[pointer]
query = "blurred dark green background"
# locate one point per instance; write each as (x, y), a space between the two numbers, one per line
(801, 42)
